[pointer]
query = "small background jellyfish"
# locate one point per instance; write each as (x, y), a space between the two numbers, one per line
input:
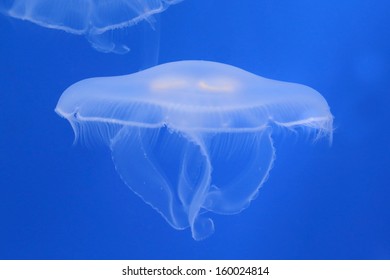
(96, 20)
(192, 137)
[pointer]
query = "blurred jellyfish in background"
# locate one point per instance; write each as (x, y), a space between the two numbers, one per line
(192, 137)
(97, 20)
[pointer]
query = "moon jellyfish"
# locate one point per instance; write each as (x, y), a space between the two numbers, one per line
(192, 137)
(96, 20)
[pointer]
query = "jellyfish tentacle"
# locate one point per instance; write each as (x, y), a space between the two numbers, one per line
(103, 43)
(241, 165)
(134, 155)
(195, 179)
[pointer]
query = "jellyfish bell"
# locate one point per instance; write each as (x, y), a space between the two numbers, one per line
(96, 20)
(199, 95)
(192, 137)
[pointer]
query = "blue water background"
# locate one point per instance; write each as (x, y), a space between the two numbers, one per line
(59, 201)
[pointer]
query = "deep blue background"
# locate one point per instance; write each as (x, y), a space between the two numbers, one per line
(59, 201)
